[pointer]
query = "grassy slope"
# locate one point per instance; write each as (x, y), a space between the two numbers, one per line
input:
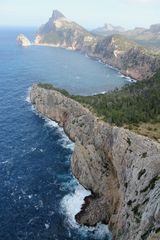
(135, 106)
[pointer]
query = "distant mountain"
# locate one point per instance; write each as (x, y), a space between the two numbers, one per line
(62, 32)
(147, 37)
(107, 30)
(155, 28)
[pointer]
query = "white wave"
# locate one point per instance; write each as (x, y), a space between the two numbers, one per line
(51, 123)
(64, 140)
(71, 204)
(128, 78)
(47, 225)
(28, 95)
(33, 149)
(103, 92)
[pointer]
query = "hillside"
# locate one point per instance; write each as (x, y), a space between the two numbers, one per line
(146, 37)
(126, 55)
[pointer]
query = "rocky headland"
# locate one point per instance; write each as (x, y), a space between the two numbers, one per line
(116, 50)
(23, 40)
(121, 168)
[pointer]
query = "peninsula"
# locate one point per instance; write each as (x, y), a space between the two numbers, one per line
(121, 168)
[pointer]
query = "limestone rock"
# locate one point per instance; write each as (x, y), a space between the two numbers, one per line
(121, 168)
(23, 40)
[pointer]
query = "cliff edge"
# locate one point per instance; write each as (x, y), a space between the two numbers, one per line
(121, 168)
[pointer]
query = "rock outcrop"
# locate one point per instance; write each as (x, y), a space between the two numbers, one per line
(23, 40)
(122, 169)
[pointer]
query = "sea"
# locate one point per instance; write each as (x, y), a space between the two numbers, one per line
(39, 196)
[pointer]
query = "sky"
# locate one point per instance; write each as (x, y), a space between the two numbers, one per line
(88, 13)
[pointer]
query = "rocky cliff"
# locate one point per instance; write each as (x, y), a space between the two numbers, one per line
(122, 169)
(130, 58)
(23, 40)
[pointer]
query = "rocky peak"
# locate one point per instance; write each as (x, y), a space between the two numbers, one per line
(56, 15)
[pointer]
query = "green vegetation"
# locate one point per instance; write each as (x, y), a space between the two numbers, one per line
(49, 86)
(132, 106)
(151, 184)
(136, 106)
(52, 38)
(125, 44)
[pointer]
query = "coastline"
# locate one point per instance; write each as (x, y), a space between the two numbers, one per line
(73, 203)
(102, 153)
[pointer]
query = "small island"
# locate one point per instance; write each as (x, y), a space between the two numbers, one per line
(23, 40)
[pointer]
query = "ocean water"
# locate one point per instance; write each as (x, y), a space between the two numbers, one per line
(38, 194)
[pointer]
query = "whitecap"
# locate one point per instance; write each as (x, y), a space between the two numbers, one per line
(50, 123)
(28, 99)
(64, 139)
(47, 225)
(4, 162)
(71, 204)
(33, 149)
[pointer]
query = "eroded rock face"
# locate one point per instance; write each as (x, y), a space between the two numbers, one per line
(121, 168)
(23, 40)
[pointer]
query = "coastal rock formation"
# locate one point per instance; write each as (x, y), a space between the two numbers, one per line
(121, 168)
(116, 50)
(23, 40)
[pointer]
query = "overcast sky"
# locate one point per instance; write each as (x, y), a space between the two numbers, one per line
(88, 13)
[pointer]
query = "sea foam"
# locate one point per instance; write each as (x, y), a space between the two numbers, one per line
(71, 204)
(28, 95)
(64, 140)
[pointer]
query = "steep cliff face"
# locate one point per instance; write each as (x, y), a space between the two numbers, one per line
(121, 168)
(23, 40)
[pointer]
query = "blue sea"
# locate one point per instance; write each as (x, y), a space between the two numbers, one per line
(38, 194)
